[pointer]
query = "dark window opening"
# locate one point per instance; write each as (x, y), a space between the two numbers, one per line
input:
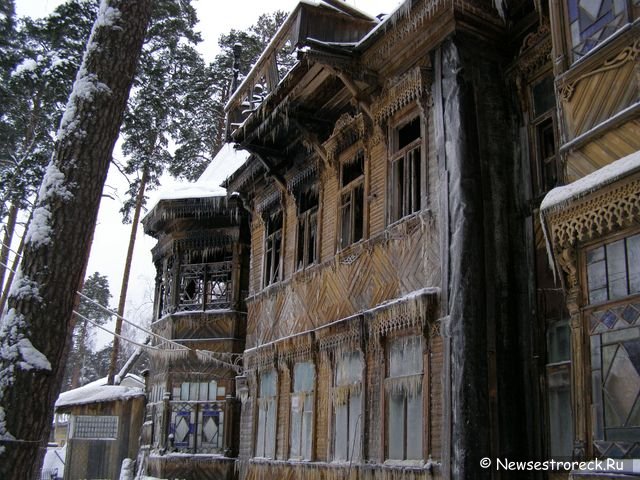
(406, 171)
(273, 245)
(306, 252)
(352, 201)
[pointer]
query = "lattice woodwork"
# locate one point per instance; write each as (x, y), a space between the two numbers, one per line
(401, 260)
(596, 216)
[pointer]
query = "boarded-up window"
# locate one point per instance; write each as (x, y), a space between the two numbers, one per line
(347, 401)
(406, 170)
(267, 411)
(352, 200)
(404, 399)
(272, 248)
(301, 433)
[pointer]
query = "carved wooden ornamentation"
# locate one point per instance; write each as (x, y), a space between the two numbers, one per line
(602, 214)
(628, 54)
(414, 85)
(347, 131)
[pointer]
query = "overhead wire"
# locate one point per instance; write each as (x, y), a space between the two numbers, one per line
(211, 356)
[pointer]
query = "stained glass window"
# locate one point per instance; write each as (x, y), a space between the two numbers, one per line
(592, 21)
(613, 270)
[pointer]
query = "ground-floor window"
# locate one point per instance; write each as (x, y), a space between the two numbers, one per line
(404, 399)
(347, 401)
(267, 412)
(302, 398)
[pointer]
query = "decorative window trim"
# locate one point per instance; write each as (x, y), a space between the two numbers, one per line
(414, 85)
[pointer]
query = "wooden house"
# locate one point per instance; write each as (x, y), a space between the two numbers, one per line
(201, 260)
(402, 318)
(102, 427)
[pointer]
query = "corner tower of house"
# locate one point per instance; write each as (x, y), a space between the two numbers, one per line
(200, 322)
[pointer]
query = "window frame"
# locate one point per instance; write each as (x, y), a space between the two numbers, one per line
(265, 427)
(307, 219)
(572, 57)
(396, 213)
(536, 122)
(273, 257)
(358, 428)
(351, 189)
(596, 421)
(421, 403)
(305, 395)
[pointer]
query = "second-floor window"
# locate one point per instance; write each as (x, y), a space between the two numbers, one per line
(592, 21)
(307, 247)
(613, 270)
(405, 170)
(302, 400)
(272, 248)
(352, 200)
(543, 130)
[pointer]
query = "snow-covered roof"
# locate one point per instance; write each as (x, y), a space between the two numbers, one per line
(560, 196)
(227, 161)
(98, 391)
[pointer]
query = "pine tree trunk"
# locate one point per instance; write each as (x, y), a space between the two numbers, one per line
(37, 328)
(6, 241)
(127, 272)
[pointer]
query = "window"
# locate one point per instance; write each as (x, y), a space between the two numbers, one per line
(347, 401)
(544, 135)
(406, 170)
(613, 275)
(559, 390)
(307, 248)
(205, 286)
(197, 417)
(592, 21)
(352, 200)
(267, 412)
(404, 399)
(273, 245)
(302, 411)
(613, 270)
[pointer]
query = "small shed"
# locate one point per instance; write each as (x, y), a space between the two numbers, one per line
(104, 426)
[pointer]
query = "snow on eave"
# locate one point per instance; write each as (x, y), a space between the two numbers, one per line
(366, 41)
(560, 197)
(98, 392)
